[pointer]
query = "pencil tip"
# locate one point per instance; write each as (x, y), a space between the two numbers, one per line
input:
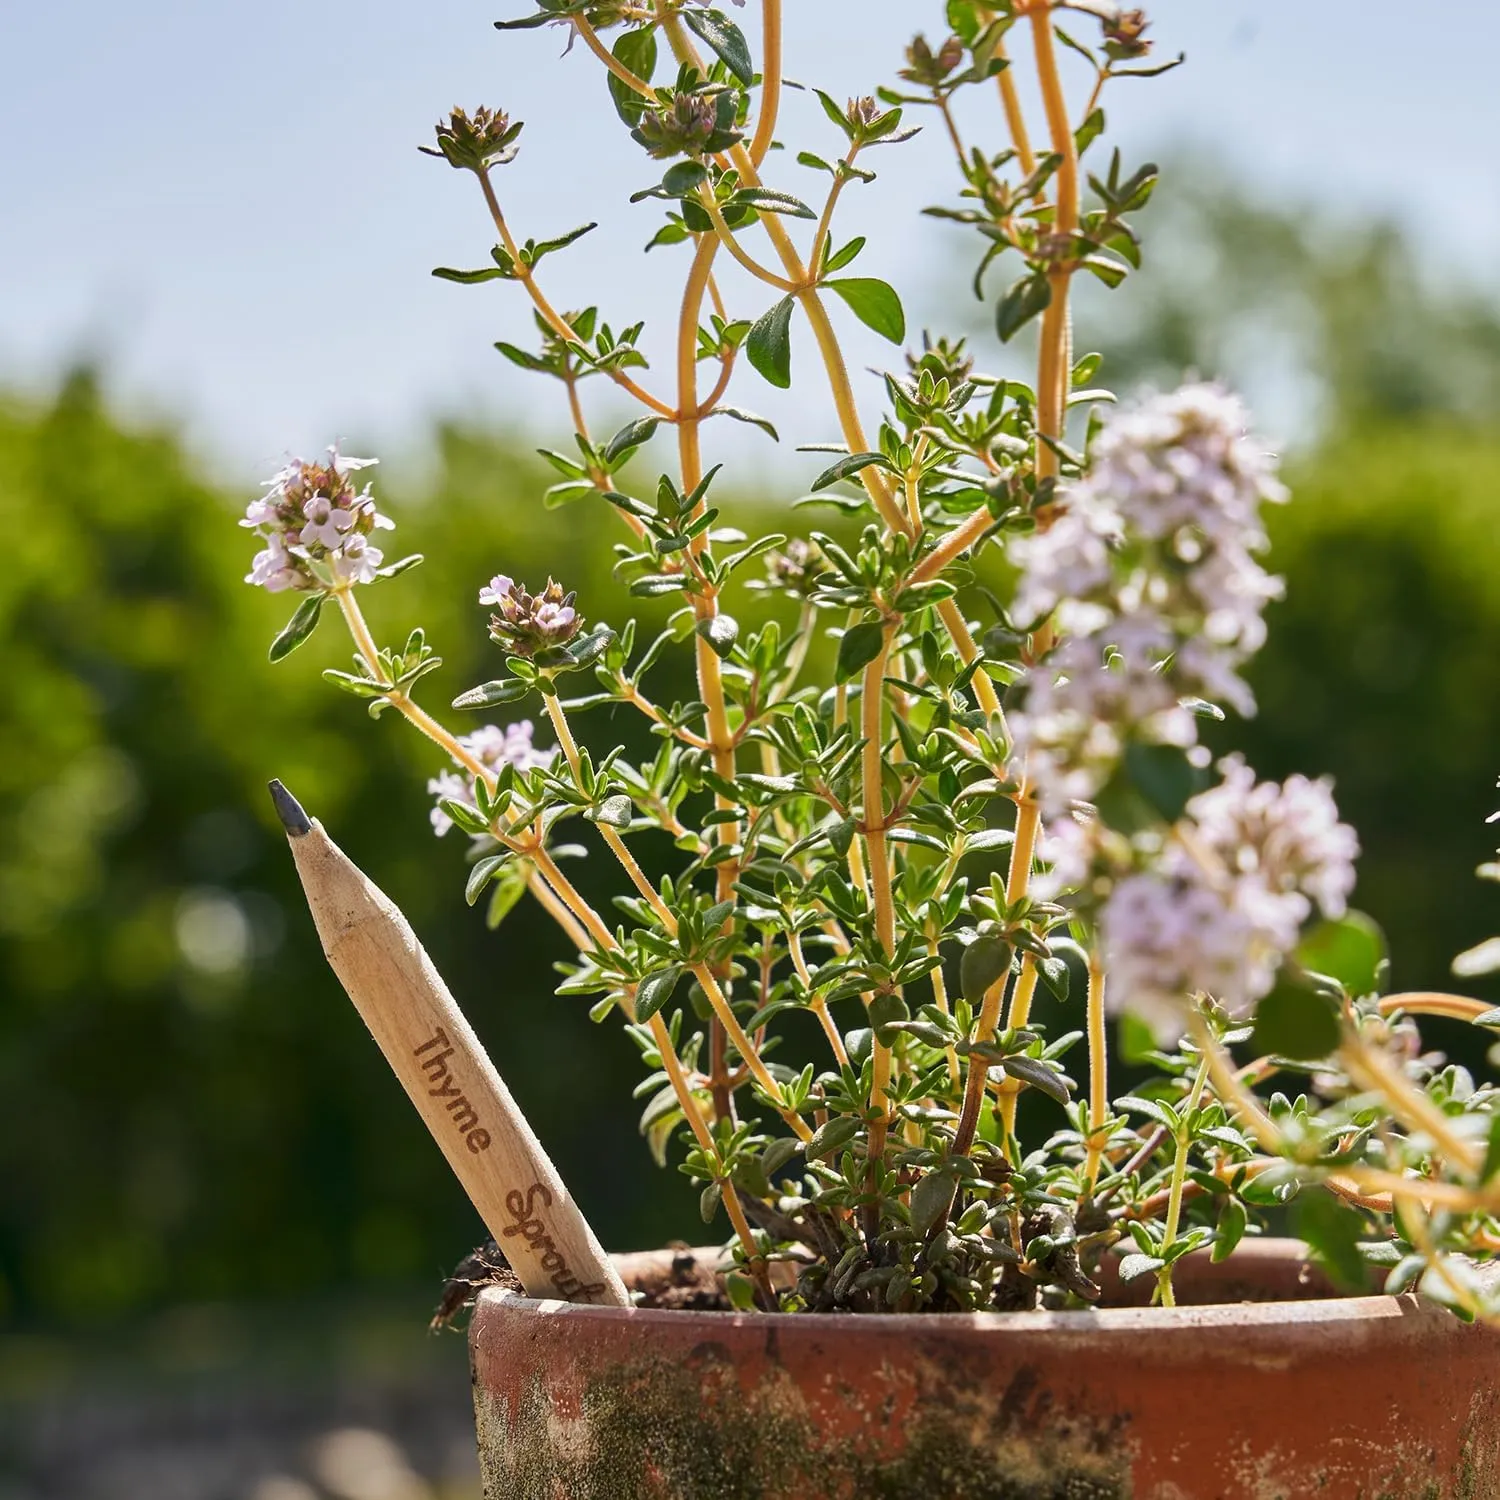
(289, 809)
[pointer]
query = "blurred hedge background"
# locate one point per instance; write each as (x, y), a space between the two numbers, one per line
(195, 1114)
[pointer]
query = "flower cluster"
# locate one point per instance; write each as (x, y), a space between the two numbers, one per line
(1148, 573)
(1227, 898)
(315, 527)
(526, 623)
(493, 747)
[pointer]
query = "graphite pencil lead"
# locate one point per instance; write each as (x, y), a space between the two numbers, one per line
(289, 810)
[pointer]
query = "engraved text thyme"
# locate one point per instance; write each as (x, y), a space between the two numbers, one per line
(476, 1138)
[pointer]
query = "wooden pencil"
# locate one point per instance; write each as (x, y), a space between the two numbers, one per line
(446, 1073)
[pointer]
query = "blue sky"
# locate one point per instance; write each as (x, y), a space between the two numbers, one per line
(226, 203)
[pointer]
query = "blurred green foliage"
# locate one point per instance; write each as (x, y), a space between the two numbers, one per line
(192, 1109)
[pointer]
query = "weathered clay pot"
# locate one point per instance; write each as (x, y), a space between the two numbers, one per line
(1269, 1389)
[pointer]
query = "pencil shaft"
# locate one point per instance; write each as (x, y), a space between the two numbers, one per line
(450, 1079)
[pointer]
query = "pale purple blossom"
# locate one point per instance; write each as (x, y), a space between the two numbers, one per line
(355, 560)
(497, 590)
(1167, 940)
(326, 522)
(1227, 897)
(1149, 574)
(494, 747)
(273, 568)
(1083, 700)
(448, 786)
(314, 526)
(555, 619)
(1287, 836)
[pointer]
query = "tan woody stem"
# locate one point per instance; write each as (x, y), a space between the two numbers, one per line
(558, 324)
(1053, 360)
(1098, 1069)
(878, 857)
(1018, 879)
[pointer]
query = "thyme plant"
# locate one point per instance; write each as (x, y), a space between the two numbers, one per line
(833, 834)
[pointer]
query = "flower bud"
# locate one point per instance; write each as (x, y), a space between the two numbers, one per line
(526, 623)
(486, 140)
(692, 124)
(929, 68)
(796, 567)
(1125, 34)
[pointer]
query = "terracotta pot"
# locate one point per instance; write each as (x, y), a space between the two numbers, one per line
(1271, 1388)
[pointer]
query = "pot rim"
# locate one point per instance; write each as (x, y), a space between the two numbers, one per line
(1106, 1321)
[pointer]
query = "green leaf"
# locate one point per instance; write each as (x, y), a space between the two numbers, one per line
(587, 649)
(741, 415)
(1295, 1022)
(841, 258)
(637, 50)
(726, 39)
(1232, 1224)
(860, 646)
(1134, 1266)
(1163, 775)
(1482, 958)
(875, 304)
(1055, 975)
(655, 990)
(522, 357)
(1155, 1109)
(508, 891)
(1033, 1071)
(1491, 1152)
(985, 961)
(768, 345)
(833, 1136)
(738, 1287)
(629, 438)
(1404, 1274)
(721, 631)
(361, 687)
(1136, 1040)
(1088, 132)
(852, 464)
(561, 242)
(299, 627)
(709, 1200)
(613, 812)
(1332, 1231)
(470, 278)
(886, 1009)
(400, 566)
(931, 1199)
(480, 875)
(658, 583)
(463, 816)
(490, 694)
(1021, 304)
(766, 201)
(1351, 950)
(684, 177)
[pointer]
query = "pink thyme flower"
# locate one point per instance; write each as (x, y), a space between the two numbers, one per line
(493, 747)
(315, 526)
